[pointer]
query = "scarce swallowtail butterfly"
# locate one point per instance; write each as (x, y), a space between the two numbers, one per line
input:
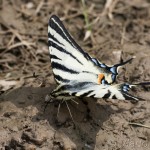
(77, 73)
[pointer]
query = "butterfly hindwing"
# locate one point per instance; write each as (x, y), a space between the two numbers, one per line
(90, 89)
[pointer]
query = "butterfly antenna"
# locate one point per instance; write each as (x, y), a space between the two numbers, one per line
(124, 62)
(114, 69)
(69, 111)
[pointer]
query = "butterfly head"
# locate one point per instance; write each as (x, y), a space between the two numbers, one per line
(109, 78)
(109, 75)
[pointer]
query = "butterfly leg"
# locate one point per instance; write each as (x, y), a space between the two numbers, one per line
(69, 110)
(48, 100)
(74, 101)
(59, 108)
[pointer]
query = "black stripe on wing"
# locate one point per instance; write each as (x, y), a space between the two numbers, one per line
(54, 39)
(58, 26)
(130, 97)
(72, 87)
(59, 48)
(92, 96)
(74, 93)
(114, 97)
(58, 66)
(59, 78)
(107, 95)
(63, 94)
(55, 57)
(86, 94)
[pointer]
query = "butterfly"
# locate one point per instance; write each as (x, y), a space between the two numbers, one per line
(77, 73)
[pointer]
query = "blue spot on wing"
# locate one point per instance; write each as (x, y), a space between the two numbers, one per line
(113, 70)
(95, 61)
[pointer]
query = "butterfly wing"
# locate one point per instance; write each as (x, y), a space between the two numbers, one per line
(68, 60)
(90, 89)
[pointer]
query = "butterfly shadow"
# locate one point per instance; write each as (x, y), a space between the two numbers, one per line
(89, 115)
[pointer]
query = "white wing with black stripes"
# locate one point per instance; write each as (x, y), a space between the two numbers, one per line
(90, 89)
(77, 73)
(68, 60)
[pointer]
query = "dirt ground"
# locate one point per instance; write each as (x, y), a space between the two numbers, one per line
(109, 31)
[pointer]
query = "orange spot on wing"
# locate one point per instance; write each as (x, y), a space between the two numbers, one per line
(100, 77)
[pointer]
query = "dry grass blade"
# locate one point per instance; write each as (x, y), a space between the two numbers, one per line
(86, 18)
(109, 7)
(39, 7)
(140, 125)
(23, 43)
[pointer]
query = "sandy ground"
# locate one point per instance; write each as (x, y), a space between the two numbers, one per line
(118, 31)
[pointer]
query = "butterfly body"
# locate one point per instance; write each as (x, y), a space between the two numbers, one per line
(77, 73)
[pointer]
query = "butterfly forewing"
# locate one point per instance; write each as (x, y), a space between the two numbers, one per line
(68, 60)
